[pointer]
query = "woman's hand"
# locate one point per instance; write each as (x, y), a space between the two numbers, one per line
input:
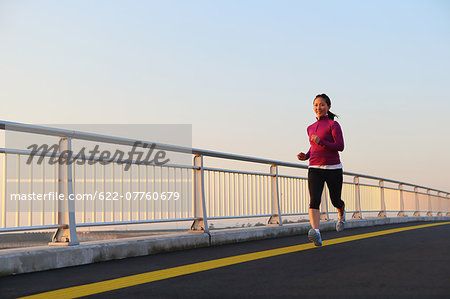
(315, 139)
(301, 156)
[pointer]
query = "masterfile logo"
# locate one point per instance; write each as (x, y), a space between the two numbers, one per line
(134, 156)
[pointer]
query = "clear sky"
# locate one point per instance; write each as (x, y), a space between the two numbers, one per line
(243, 73)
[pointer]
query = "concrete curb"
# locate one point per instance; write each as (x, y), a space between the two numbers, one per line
(241, 235)
(23, 260)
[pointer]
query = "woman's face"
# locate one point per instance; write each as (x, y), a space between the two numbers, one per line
(320, 107)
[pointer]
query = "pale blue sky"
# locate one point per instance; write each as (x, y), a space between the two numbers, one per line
(243, 73)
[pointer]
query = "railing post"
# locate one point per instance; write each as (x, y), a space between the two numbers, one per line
(429, 213)
(324, 207)
(439, 213)
(416, 197)
(382, 213)
(401, 213)
(448, 205)
(5, 194)
(357, 213)
(275, 218)
(201, 222)
(66, 234)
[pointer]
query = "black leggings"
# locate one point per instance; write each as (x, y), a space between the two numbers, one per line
(316, 179)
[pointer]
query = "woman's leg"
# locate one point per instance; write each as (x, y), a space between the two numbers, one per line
(334, 182)
(334, 179)
(316, 180)
(314, 218)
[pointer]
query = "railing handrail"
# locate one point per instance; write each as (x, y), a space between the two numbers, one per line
(43, 130)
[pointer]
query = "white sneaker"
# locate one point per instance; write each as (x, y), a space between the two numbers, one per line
(340, 223)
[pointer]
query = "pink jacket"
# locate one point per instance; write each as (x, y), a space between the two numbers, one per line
(331, 141)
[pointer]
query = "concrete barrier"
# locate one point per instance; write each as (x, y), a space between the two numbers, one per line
(23, 260)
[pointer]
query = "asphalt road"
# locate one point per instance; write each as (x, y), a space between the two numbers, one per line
(408, 264)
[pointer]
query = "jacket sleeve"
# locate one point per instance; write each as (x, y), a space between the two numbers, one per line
(338, 144)
(308, 154)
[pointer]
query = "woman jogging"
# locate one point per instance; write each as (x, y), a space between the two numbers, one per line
(325, 137)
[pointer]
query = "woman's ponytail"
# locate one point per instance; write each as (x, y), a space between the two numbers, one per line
(331, 115)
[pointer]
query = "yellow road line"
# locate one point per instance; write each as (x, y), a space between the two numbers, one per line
(132, 280)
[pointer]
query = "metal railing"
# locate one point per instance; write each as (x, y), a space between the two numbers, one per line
(207, 193)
